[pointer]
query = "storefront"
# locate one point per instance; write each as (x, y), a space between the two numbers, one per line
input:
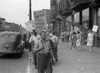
(82, 15)
(79, 6)
(93, 18)
(96, 21)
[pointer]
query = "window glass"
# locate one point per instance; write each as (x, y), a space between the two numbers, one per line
(86, 14)
(76, 17)
(85, 18)
(12, 36)
(5, 36)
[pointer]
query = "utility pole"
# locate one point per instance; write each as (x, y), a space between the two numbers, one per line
(30, 10)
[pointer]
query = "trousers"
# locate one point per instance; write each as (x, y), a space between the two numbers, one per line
(44, 63)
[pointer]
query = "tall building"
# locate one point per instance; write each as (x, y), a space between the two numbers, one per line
(53, 6)
(59, 8)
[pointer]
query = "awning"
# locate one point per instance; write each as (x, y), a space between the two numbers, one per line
(81, 26)
(96, 3)
(75, 24)
(67, 13)
(79, 5)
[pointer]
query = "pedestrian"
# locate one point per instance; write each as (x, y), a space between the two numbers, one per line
(44, 55)
(26, 43)
(78, 40)
(62, 36)
(73, 41)
(67, 36)
(84, 38)
(90, 39)
(55, 50)
(50, 36)
(33, 41)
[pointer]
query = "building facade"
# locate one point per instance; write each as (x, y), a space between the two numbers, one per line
(53, 5)
(76, 11)
(2, 23)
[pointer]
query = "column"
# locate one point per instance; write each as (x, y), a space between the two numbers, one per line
(90, 17)
(95, 22)
(72, 21)
(80, 17)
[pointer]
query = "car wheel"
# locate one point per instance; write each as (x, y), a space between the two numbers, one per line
(1, 54)
(19, 55)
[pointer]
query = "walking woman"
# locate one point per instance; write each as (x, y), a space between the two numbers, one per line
(90, 40)
(73, 41)
(78, 41)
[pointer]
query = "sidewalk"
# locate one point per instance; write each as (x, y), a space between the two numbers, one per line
(73, 61)
(94, 49)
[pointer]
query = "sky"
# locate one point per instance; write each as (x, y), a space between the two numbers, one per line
(17, 11)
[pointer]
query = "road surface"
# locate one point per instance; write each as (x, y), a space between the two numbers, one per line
(10, 64)
(70, 61)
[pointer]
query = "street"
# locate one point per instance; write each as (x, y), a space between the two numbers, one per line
(10, 64)
(31, 26)
(70, 61)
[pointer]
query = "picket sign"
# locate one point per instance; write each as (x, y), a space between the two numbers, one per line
(30, 25)
(40, 20)
(95, 28)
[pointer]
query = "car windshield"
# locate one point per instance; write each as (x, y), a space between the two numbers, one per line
(12, 36)
(5, 36)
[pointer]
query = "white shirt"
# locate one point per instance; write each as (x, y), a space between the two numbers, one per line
(90, 35)
(54, 39)
(33, 39)
(38, 37)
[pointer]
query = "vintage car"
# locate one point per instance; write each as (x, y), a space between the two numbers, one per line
(11, 43)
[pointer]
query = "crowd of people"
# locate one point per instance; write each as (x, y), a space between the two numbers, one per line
(65, 36)
(44, 48)
(78, 39)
